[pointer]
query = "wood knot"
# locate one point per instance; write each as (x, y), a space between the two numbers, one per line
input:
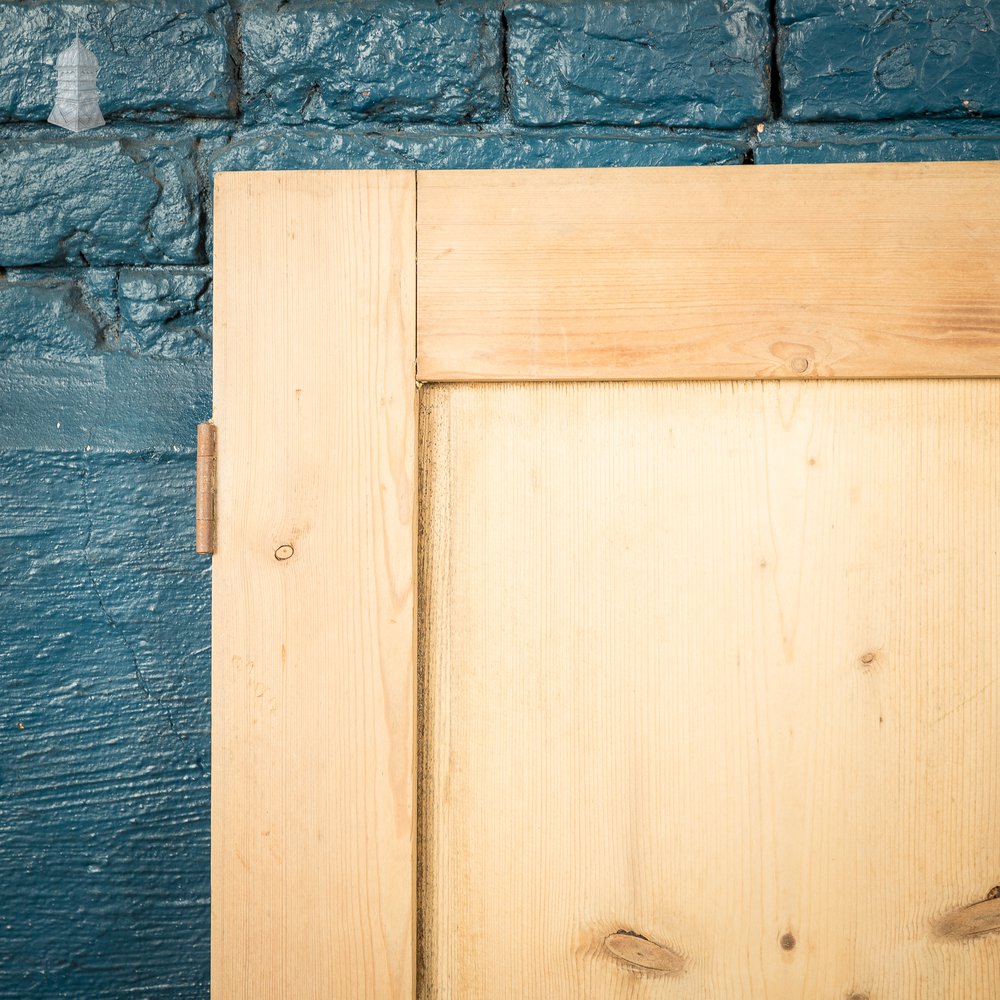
(787, 941)
(797, 359)
(973, 920)
(859, 996)
(283, 552)
(639, 952)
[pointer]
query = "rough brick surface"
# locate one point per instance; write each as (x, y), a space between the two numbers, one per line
(275, 148)
(158, 59)
(638, 61)
(62, 313)
(868, 59)
(104, 746)
(106, 400)
(876, 143)
(97, 197)
(55, 314)
(323, 61)
(165, 311)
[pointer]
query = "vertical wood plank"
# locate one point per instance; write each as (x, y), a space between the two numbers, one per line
(313, 630)
(711, 687)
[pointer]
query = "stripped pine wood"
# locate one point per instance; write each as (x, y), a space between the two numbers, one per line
(843, 270)
(313, 630)
(710, 690)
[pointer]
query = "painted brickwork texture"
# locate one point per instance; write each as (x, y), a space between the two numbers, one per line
(105, 342)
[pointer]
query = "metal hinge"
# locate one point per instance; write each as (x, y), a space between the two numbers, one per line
(204, 495)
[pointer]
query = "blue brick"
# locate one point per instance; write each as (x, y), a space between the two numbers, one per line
(885, 142)
(394, 61)
(104, 740)
(428, 148)
(157, 59)
(55, 313)
(100, 197)
(869, 59)
(62, 313)
(626, 62)
(107, 400)
(165, 311)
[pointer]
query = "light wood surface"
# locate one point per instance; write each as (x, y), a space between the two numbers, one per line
(313, 630)
(837, 271)
(713, 666)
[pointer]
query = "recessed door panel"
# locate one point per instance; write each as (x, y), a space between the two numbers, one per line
(709, 689)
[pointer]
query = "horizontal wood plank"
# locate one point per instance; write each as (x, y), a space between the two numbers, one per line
(861, 270)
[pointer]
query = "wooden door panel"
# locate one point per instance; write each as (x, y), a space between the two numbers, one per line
(715, 664)
(707, 670)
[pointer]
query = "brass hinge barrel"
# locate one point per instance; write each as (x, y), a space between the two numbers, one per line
(204, 496)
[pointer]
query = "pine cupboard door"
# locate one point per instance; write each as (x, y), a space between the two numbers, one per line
(605, 597)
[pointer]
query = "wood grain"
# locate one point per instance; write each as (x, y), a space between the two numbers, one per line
(716, 664)
(313, 630)
(843, 270)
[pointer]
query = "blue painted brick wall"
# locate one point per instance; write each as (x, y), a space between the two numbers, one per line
(105, 341)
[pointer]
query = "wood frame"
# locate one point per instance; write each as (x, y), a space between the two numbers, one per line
(285, 847)
(837, 271)
(855, 271)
